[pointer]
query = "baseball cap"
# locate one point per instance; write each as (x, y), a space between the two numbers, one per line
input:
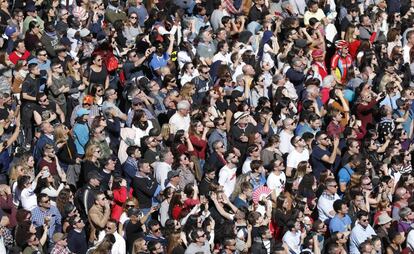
(94, 175)
(82, 112)
(84, 32)
(10, 30)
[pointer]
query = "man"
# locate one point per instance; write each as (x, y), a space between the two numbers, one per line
(45, 213)
(202, 82)
(258, 11)
(173, 179)
(277, 178)
(217, 160)
(30, 89)
(47, 111)
(321, 157)
(119, 247)
(155, 233)
(19, 52)
(361, 232)
(350, 19)
(312, 124)
(295, 75)
(46, 137)
(111, 97)
(43, 62)
(264, 243)
(341, 62)
(400, 200)
(163, 167)
(208, 179)
(85, 197)
(326, 200)
(61, 244)
(13, 34)
(200, 243)
(286, 135)
(130, 166)
(410, 43)
(134, 66)
(33, 245)
(345, 173)
(383, 228)
(145, 187)
(366, 31)
(153, 151)
(298, 154)
(77, 241)
(353, 148)
(219, 133)
(58, 86)
(181, 119)
(155, 247)
(32, 15)
(98, 215)
(114, 12)
(314, 12)
(50, 39)
(227, 175)
(341, 222)
(161, 56)
(240, 132)
(206, 48)
(109, 173)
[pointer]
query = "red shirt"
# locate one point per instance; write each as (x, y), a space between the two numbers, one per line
(14, 58)
(200, 147)
(120, 196)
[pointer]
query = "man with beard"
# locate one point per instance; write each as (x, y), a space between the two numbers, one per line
(227, 175)
(47, 111)
(111, 96)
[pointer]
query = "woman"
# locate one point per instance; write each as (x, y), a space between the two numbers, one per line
(217, 106)
(182, 143)
(130, 202)
(25, 191)
(32, 37)
(15, 172)
(165, 205)
(46, 185)
(175, 244)
(90, 163)
(98, 73)
(97, 91)
(307, 186)
(64, 197)
(5, 14)
(393, 40)
(141, 125)
(271, 151)
(186, 168)
(67, 154)
(188, 72)
(269, 47)
(49, 15)
(281, 215)
(77, 84)
(187, 92)
(341, 239)
(140, 246)
(351, 36)
(258, 90)
(120, 195)
(186, 53)
(104, 247)
(198, 137)
(176, 209)
(303, 169)
(397, 239)
(131, 28)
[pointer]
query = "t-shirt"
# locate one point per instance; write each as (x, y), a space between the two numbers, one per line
(276, 182)
(345, 174)
(317, 163)
(295, 157)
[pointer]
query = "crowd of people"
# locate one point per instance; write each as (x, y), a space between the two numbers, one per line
(206, 126)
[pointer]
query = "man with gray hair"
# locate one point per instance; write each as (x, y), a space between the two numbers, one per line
(111, 96)
(181, 119)
(295, 74)
(163, 166)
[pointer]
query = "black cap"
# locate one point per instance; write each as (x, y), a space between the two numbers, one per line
(173, 173)
(94, 175)
(134, 211)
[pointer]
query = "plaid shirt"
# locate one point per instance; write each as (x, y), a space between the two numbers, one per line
(60, 250)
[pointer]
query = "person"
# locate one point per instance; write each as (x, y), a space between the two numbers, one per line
(199, 244)
(227, 174)
(61, 244)
(119, 247)
(341, 222)
(77, 241)
(327, 199)
(361, 232)
(145, 186)
(99, 215)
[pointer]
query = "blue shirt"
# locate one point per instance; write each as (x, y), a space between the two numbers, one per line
(159, 61)
(340, 224)
(38, 219)
(345, 174)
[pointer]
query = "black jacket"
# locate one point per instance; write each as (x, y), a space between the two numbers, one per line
(144, 190)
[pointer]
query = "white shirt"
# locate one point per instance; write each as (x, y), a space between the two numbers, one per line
(161, 170)
(29, 198)
(325, 205)
(292, 240)
(178, 122)
(227, 179)
(119, 246)
(141, 133)
(276, 182)
(358, 236)
(295, 157)
(285, 146)
(406, 54)
(246, 165)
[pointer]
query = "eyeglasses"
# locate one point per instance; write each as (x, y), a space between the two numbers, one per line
(44, 100)
(172, 81)
(203, 235)
(133, 17)
(58, 67)
(222, 123)
(129, 206)
(98, 59)
(156, 230)
(42, 54)
(109, 228)
(367, 183)
(364, 220)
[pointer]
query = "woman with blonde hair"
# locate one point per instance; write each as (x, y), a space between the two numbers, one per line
(351, 36)
(175, 243)
(28, 163)
(130, 202)
(90, 162)
(77, 84)
(239, 180)
(139, 246)
(67, 154)
(187, 92)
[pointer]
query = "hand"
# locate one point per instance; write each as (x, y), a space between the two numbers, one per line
(236, 151)
(123, 183)
(244, 138)
(63, 177)
(336, 142)
(154, 209)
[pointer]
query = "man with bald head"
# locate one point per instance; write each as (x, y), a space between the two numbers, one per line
(286, 135)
